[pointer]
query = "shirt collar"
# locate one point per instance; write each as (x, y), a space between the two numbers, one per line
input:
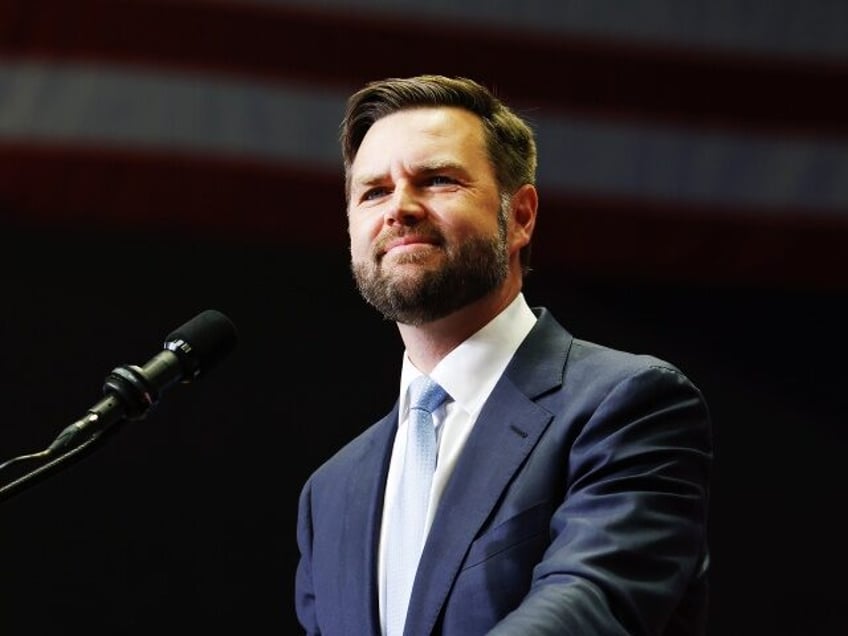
(483, 356)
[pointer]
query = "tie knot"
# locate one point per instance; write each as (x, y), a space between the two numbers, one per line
(426, 395)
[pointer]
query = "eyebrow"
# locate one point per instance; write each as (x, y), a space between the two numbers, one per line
(438, 166)
(424, 168)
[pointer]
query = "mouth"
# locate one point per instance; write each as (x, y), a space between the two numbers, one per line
(406, 244)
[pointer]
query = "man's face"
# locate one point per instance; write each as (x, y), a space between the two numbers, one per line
(427, 233)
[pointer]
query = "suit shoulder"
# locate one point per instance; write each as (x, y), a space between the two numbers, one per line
(552, 351)
(602, 361)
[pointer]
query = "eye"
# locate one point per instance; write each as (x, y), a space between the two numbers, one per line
(440, 179)
(374, 193)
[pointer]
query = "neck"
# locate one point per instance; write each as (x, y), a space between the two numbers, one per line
(427, 344)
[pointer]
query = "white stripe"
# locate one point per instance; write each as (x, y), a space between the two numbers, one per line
(129, 107)
(668, 163)
(288, 124)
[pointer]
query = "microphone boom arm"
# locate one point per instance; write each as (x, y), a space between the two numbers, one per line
(130, 391)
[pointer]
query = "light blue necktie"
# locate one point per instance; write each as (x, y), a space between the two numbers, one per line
(406, 530)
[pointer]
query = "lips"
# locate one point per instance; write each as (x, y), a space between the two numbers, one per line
(388, 244)
(407, 240)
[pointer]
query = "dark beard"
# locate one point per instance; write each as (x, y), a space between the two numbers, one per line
(478, 267)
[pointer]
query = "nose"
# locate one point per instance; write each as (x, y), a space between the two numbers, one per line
(404, 206)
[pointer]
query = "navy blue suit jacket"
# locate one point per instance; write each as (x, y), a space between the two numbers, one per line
(578, 506)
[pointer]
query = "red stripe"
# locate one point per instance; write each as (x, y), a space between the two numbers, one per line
(173, 192)
(625, 238)
(584, 236)
(595, 77)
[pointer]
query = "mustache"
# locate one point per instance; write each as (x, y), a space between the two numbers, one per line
(424, 232)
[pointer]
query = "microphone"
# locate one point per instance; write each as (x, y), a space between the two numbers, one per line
(189, 352)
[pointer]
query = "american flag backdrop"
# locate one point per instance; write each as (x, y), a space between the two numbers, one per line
(678, 139)
(157, 155)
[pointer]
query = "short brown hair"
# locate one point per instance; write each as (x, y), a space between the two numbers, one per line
(509, 139)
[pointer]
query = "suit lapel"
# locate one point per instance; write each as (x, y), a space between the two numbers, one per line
(507, 429)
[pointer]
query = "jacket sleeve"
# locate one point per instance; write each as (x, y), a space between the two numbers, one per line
(304, 591)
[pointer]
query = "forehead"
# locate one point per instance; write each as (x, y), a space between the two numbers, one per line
(422, 132)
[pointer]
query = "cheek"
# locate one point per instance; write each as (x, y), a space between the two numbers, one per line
(461, 229)
(362, 233)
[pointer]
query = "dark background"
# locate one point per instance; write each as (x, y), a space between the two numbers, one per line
(109, 240)
(185, 520)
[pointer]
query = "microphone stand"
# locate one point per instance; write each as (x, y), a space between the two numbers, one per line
(128, 395)
(130, 391)
(53, 466)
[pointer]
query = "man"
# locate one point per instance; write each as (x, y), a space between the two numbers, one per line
(571, 485)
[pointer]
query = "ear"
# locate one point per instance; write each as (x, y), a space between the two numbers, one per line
(525, 203)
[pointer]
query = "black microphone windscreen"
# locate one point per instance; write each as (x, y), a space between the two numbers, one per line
(202, 342)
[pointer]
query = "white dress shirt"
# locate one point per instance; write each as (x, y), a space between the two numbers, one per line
(482, 358)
